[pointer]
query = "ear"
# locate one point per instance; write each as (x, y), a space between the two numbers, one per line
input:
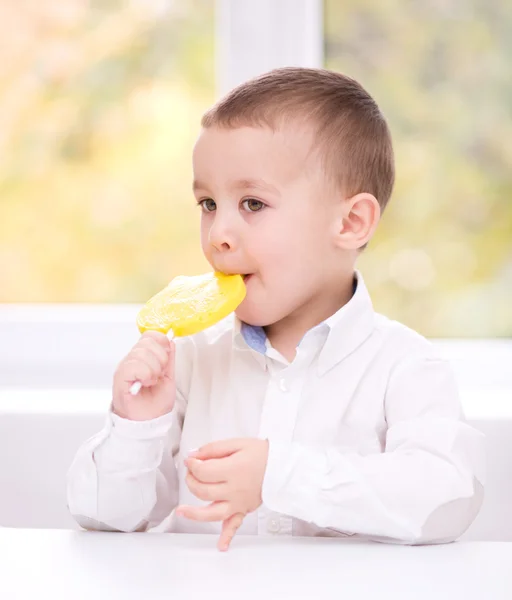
(361, 215)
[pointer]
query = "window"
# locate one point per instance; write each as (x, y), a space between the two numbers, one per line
(440, 71)
(100, 103)
(99, 107)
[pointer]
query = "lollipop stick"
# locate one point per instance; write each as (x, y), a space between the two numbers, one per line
(137, 385)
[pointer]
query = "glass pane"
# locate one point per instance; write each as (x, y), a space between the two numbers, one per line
(100, 102)
(440, 71)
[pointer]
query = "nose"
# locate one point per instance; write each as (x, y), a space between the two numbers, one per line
(222, 235)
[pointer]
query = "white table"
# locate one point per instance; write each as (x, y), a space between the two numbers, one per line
(66, 565)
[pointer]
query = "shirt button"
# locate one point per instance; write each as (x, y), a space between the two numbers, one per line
(273, 525)
(283, 386)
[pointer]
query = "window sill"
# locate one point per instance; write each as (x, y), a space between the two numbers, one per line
(478, 404)
(49, 350)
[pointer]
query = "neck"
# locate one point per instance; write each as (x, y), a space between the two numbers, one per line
(286, 334)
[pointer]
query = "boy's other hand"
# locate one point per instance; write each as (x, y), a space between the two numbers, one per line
(151, 361)
(230, 474)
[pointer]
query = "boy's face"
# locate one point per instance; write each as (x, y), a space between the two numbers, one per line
(266, 213)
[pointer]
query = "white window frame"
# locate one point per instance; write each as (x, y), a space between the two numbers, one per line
(78, 346)
(254, 36)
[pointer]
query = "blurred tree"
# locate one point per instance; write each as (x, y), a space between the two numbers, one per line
(100, 104)
(440, 71)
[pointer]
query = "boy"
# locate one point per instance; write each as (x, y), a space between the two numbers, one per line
(312, 414)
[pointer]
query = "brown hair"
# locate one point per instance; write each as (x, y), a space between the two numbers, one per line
(352, 136)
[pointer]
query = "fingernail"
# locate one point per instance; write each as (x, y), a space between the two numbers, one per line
(189, 464)
(193, 452)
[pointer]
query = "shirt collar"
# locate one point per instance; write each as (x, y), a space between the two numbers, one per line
(248, 338)
(346, 329)
(349, 327)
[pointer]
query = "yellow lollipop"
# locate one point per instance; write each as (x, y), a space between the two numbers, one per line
(190, 304)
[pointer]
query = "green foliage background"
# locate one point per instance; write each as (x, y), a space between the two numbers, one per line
(100, 104)
(441, 73)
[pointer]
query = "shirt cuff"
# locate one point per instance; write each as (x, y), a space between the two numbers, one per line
(141, 430)
(133, 446)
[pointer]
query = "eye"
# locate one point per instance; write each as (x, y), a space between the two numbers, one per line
(207, 204)
(252, 205)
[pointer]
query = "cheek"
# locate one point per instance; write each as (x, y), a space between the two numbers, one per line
(283, 251)
(298, 249)
(205, 232)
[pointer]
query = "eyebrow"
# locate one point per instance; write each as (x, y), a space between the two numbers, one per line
(242, 184)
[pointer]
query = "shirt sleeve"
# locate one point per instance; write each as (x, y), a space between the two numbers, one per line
(427, 485)
(124, 478)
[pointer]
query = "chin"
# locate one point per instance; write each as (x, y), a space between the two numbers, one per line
(252, 317)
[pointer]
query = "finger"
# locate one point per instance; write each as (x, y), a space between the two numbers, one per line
(217, 511)
(146, 356)
(169, 366)
(215, 470)
(229, 528)
(136, 370)
(160, 338)
(160, 353)
(206, 491)
(219, 449)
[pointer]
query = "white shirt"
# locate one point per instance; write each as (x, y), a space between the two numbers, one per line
(365, 429)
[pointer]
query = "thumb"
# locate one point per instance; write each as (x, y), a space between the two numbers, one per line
(169, 367)
(219, 449)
